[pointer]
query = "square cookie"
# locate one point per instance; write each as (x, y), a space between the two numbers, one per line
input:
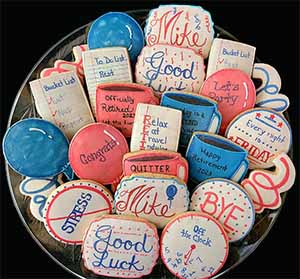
(155, 128)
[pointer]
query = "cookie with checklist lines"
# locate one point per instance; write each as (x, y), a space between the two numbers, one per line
(121, 247)
(194, 245)
(228, 202)
(72, 206)
(263, 133)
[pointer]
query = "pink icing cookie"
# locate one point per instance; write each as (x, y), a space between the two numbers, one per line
(96, 153)
(265, 187)
(155, 197)
(61, 66)
(226, 201)
(121, 247)
(167, 68)
(156, 161)
(72, 206)
(234, 92)
(116, 104)
(194, 246)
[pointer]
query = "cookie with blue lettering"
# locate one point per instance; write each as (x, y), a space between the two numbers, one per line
(182, 26)
(267, 93)
(194, 245)
(263, 133)
(155, 197)
(37, 148)
(121, 247)
(96, 153)
(72, 206)
(170, 68)
(116, 29)
(228, 202)
(39, 189)
(155, 128)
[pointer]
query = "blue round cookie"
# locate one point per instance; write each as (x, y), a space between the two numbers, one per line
(36, 148)
(116, 29)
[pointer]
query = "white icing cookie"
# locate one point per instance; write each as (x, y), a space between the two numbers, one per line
(155, 197)
(226, 201)
(122, 247)
(194, 246)
(72, 206)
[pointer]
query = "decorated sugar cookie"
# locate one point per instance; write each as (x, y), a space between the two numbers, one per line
(230, 54)
(39, 189)
(194, 245)
(198, 113)
(265, 187)
(211, 156)
(234, 92)
(267, 94)
(182, 26)
(109, 64)
(61, 100)
(226, 201)
(116, 103)
(72, 206)
(61, 66)
(156, 161)
(37, 148)
(263, 133)
(155, 127)
(116, 29)
(155, 197)
(170, 68)
(96, 153)
(121, 247)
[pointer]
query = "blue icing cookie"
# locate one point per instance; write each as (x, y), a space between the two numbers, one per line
(36, 148)
(116, 29)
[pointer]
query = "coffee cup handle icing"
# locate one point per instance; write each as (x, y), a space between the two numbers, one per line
(215, 123)
(241, 171)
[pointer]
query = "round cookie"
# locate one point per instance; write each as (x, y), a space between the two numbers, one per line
(116, 29)
(121, 247)
(226, 201)
(96, 152)
(194, 246)
(72, 206)
(263, 133)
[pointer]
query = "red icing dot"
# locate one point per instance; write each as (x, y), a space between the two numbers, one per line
(245, 225)
(228, 193)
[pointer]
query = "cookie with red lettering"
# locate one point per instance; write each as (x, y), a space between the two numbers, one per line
(116, 103)
(72, 206)
(156, 161)
(121, 247)
(194, 245)
(96, 153)
(61, 66)
(155, 197)
(182, 26)
(228, 202)
(170, 68)
(230, 54)
(263, 133)
(234, 92)
(155, 127)
(265, 187)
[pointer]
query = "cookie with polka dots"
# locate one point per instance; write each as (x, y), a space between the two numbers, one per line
(72, 206)
(194, 245)
(121, 247)
(168, 68)
(226, 201)
(263, 133)
(155, 197)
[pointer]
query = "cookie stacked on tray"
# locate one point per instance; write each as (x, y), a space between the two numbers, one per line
(157, 163)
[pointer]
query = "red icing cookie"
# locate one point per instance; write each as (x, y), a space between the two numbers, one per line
(233, 90)
(96, 153)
